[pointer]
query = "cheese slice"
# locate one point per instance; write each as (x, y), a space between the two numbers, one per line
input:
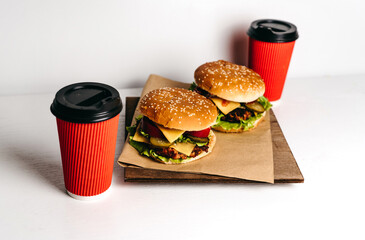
(185, 148)
(224, 105)
(138, 137)
(170, 134)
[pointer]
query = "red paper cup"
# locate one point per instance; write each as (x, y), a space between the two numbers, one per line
(87, 152)
(87, 122)
(270, 49)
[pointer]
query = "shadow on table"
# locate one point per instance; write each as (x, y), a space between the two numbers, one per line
(40, 164)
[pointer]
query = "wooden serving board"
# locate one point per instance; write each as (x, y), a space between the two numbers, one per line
(286, 169)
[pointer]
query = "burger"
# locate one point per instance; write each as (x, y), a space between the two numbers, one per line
(237, 92)
(174, 126)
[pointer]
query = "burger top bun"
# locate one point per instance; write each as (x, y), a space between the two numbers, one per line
(178, 108)
(229, 81)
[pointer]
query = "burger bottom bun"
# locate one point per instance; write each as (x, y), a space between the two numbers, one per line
(211, 144)
(220, 129)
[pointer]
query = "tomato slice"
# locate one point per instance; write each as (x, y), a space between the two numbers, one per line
(149, 127)
(200, 134)
(225, 103)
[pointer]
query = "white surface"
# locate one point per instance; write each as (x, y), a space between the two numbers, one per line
(89, 198)
(321, 118)
(47, 44)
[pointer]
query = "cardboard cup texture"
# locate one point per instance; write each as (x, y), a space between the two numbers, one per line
(271, 61)
(87, 151)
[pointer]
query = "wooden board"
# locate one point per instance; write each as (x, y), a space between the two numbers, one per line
(286, 169)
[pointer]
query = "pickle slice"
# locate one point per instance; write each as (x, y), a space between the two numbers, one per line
(199, 139)
(159, 142)
(255, 106)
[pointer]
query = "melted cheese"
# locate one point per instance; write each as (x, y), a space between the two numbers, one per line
(226, 106)
(139, 137)
(185, 148)
(170, 134)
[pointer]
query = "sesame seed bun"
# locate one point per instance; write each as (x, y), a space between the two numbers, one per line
(229, 81)
(212, 141)
(178, 108)
(241, 129)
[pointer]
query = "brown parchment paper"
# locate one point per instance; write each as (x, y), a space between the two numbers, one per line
(246, 155)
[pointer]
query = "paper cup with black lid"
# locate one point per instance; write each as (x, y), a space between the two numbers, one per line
(271, 43)
(87, 117)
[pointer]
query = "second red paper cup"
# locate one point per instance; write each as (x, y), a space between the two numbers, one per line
(87, 121)
(270, 49)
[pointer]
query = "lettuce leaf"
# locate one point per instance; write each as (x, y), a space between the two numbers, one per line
(264, 102)
(246, 124)
(184, 139)
(193, 86)
(181, 139)
(145, 150)
(144, 133)
(139, 146)
(132, 129)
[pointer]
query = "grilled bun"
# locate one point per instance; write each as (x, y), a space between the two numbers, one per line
(178, 108)
(229, 81)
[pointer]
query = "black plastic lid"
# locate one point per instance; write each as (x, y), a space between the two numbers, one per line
(86, 102)
(270, 30)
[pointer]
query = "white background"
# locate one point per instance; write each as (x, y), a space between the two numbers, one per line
(47, 44)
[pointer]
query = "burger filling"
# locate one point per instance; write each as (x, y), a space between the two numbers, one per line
(235, 115)
(167, 145)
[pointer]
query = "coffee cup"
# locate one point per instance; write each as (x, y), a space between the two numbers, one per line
(271, 44)
(87, 116)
